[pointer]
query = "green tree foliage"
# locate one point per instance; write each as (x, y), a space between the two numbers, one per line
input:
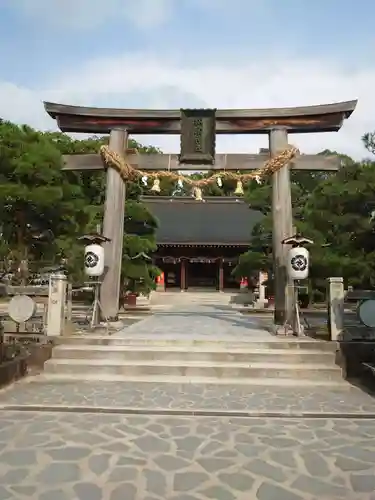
(369, 142)
(138, 271)
(339, 212)
(336, 210)
(44, 209)
(37, 202)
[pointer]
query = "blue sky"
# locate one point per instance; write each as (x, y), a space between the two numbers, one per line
(176, 53)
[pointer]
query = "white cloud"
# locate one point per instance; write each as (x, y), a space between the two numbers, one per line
(146, 80)
(78, 14)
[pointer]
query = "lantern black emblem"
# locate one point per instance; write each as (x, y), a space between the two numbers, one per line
(299, 263)
(91, 260)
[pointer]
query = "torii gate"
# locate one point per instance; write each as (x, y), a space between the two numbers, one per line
(275, 122)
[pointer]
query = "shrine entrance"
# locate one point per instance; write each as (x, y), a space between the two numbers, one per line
(172, 274)
(206, 274)
(197, 273)
(203, 273)
(200, 273)
(198, 129)
(200, 243)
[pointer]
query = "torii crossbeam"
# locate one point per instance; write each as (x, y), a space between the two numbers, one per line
(276, 122)
(236, 162)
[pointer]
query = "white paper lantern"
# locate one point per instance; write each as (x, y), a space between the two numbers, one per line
(94, 260)
(298, 263)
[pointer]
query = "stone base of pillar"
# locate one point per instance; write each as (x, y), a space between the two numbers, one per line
(260, 304)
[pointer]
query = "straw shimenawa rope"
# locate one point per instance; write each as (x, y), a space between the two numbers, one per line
(128, 172)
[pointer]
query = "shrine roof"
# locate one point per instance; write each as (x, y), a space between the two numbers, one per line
(215, 221)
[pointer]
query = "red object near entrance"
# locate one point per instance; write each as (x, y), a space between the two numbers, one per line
(132, 299)
(244, 283)
(160, 279)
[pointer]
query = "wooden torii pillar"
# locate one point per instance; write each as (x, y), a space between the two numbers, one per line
(113, 228)
(277, 123)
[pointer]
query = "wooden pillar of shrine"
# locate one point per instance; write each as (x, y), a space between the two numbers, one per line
(221, 275)
(183, 275)
(282, 227)
(113, 228)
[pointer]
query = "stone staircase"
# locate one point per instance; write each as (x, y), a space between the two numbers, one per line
(192, 297)
(281, 361)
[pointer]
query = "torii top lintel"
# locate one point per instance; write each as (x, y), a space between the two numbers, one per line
(321, 118)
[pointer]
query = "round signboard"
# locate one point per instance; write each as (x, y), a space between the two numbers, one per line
(366, 312)
(21, 308)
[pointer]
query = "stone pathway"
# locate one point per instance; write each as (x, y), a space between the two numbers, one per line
(99, 451)
(200, 321)
(59, 456)
(39, 392)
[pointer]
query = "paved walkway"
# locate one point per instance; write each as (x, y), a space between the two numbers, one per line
(84, 444)
(57, 456)
(200, 321)
(41, 393)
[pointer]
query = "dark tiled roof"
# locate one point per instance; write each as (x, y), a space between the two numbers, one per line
(215, 221)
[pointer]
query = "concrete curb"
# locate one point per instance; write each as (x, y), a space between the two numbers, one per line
(268, 311)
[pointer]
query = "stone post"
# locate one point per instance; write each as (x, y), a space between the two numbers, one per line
(56, 305)
(335, 307)
(69, 302)
(262, 291)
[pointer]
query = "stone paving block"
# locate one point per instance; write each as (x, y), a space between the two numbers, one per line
(202, 319)
(189, 397)
(141, 468)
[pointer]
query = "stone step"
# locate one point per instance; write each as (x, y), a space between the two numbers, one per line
(187, 342)
(162, 379)
(219, 354)
(193, 303)
(134, 368)
(187, 298)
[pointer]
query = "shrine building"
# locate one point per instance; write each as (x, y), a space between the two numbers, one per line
(199, 242)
